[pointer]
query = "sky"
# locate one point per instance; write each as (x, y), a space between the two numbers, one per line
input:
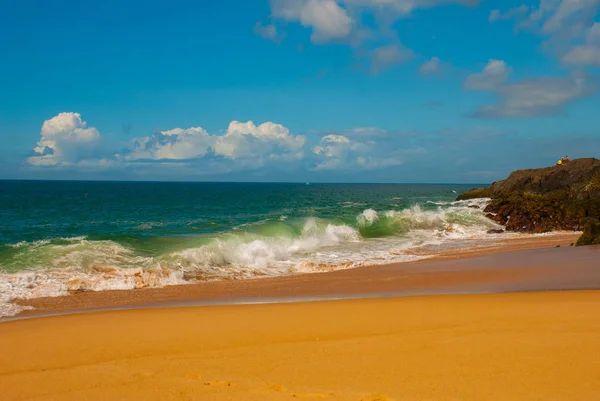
(430, 91)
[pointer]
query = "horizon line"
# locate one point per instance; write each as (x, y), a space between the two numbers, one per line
(239, 182)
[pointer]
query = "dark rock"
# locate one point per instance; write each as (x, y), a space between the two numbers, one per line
(495, 231)
(591, 232)
(541, 200)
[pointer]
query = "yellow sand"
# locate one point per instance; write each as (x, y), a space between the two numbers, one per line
(536, 346)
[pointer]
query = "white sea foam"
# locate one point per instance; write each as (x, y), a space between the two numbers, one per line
(55, 283)
(77, 264)
(246, 255)
(367, 218)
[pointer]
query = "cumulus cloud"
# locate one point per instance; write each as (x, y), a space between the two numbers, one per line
(65, 139)
(266, 141)
(266, 149)
(432, 66)
(332, 151)
(175, 144)
(492, 76)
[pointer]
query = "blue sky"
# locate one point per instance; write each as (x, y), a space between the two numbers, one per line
(296, 90)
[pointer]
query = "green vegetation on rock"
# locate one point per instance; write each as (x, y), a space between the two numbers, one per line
(475, 193)
(591, 232)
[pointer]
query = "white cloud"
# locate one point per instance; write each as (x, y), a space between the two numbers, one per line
(493, 75)
(365, 132)
(67, 142)
(432, 66)
(564, 24)
(583, 55)
(385, 57)
(551, 16)
(343, 21)
(517, 12)
(259, 144)
(336, 19)
(65, 138)
(175, 144)
(537, 96)
(327, 19)
(340, 152)
(268, 32)
(587, 53)
(332, 149)
(268, 140)
(405, 7)
(373, 163)
(568, 14)
(593, 34)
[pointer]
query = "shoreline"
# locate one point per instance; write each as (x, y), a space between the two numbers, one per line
(491, 268)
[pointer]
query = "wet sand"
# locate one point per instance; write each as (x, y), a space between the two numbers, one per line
(519, 346)
(509, 265)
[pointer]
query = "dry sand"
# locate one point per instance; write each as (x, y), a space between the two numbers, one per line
(520, 346)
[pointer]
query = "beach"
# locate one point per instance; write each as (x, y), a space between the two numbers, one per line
(491, 325)
(345, 200)
(307, 297)
(520, 346)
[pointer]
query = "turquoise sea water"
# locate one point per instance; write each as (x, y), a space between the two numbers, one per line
(62, 236)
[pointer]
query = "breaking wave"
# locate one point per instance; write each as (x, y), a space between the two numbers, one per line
(269, 247)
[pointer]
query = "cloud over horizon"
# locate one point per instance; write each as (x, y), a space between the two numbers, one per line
(271, 151)
(63, 139)
(67, 141)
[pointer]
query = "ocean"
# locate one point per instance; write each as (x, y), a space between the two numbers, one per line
(59, 236)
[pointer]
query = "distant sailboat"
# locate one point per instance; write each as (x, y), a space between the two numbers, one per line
(308, 183)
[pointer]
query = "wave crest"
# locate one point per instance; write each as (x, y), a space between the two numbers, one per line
(269, 247)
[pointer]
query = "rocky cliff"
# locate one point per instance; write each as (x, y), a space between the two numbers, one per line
(565, 197)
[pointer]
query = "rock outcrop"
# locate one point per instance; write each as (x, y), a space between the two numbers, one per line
(565, 197)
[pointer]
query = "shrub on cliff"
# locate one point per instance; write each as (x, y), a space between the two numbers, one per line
(475, 193)
(591, 232)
